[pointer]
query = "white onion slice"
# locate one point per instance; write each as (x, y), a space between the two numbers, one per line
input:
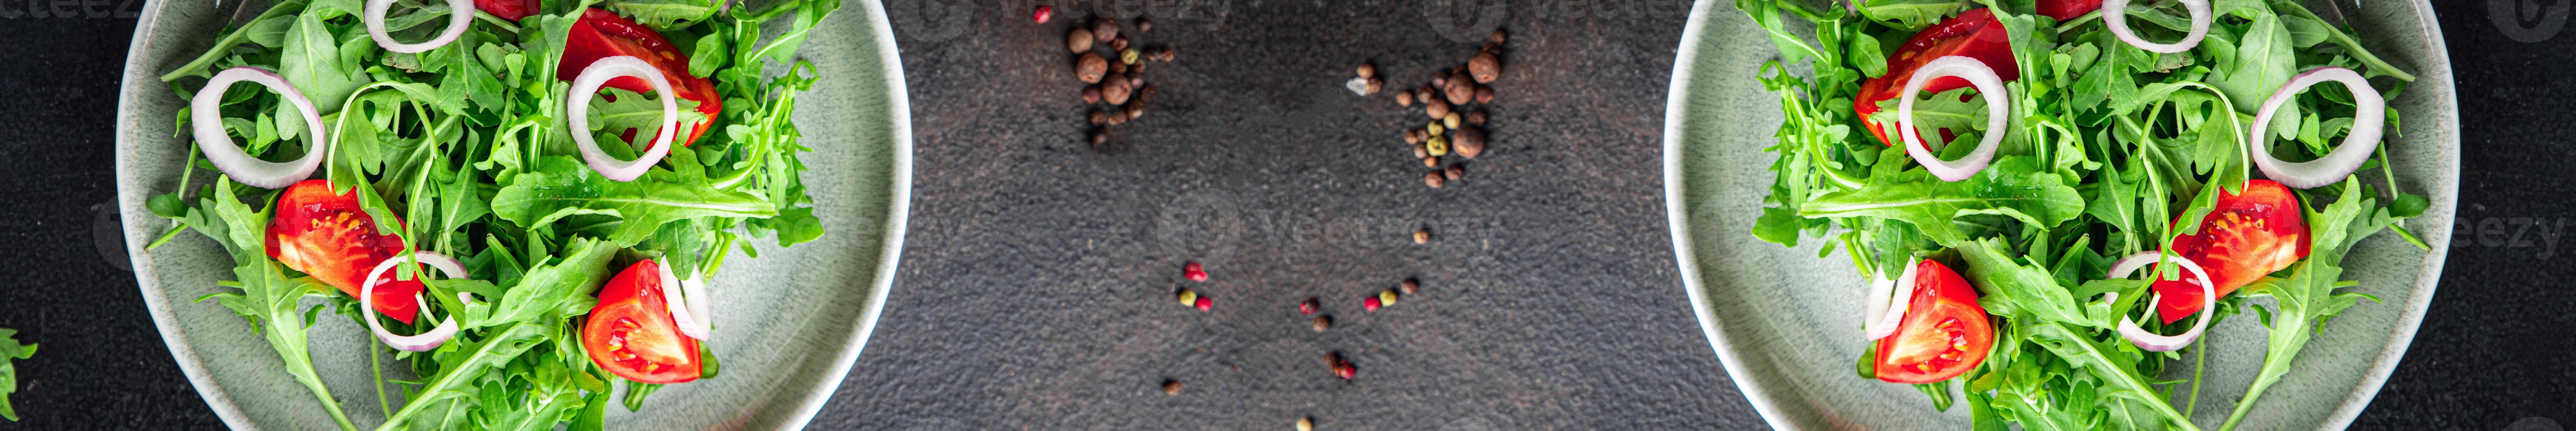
(460, 15)
(686, 303)
(1988, 85)
(2370, 113)
(577, 110)
(1886, 311)
(205, 115)
(414, 343)
(2115, 15)
(2149, 340)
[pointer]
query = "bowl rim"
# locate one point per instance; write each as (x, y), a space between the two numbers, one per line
(131, 207)
(1677, 111)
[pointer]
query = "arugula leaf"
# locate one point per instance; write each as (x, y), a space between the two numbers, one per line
(313, 63)
(663, 14)
(460, 368)
(2012, 186)
(267, 297)
(2263, 61)
(10, 352)
(563, 186)
(2307, 297)
(1911, 15)
(557, 288)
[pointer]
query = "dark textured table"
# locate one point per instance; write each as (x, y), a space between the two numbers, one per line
(1036, 286)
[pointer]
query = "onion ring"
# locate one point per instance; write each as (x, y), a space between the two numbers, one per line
(1886, 311)
(577, 110)
(686, 303)
(2149, 340)
(414, 343)
(205, 115)
(1988, 85)
(2370, 113)
(460, 16)
(2115, 15)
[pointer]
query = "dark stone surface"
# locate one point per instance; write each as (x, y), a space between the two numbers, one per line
(1036, 287)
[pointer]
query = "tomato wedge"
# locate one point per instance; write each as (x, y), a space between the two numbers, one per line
(329, 237)
(1975, 34)
(2067, 9)
(2244, 237)
(1944, 333)
(631, 334)
(507, 9)
(602, 34)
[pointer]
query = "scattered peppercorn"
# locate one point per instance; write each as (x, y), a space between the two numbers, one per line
(1497, 38)
(1119, 44)
(1455, 172)
(1485, 67)
(1484, 94)
(1090, 67)
(1438, 144)
(1104, 29)
(1404, 98)
(1098, 137)
(1369, 304)
(1308, 306)
(1386, 297)
(1189, 298)
(1135, 108)
(1192, 271)
(1421, 153)
(1459, 91)
(1430, 161)
(1367, 70)
(1091, 93)
(1435, 128)
(1129, 55)
(1432, 179)
(1097, 117)
(1144, 25)
(1168, 53)
(1422, 235)
(1476, 117)
(1409, 286)
(1434, 106)
(1114, 89)
(1452, 120)
(1116, 68)
(1078, 41)
(1413, 137)
(1206, 304)
(1171, 387)
(1345, 370)
(1322, 323)
(1043, 14)
(1469, 141)
(1305, 424)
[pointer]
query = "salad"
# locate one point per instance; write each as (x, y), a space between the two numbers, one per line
(520, 199)
(2054, 199)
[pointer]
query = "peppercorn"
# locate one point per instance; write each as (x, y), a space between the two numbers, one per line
(1367, 70)
(1441, 80)
(1167, 55)
(1412, 137)
(1439, 145)
(1114, 89)
(1369, 304)
(1305, 424)
(1128, 55)
(1419, 152)
(1455, 172)
(1309, 305)
(1116, 68)
(1476, 117)
(1079, 41)
(1484, 94)
(1470, 142)
(1091, 93)
(1119, 44)
(1409, 286)
(1434, 106)
(1451, 121)
(1191, 270)
(1459, 91)
(1375, 84)
(1432, 179)
(1485, 67)
(1422, 235)
(1189, 298)
(1104, 29)
(1120, 118)
(1090, 67)
(1099, 118)
(1144, 25)
(1430, 161)
(1171, 387)
(1386, 297)
(1322, 323)
(1435, 128)
(1404, 98)
(1345, 370)
(1099, 136)
(1135, 108)
(1043, 13)
(1496, 38)
(1205, 304)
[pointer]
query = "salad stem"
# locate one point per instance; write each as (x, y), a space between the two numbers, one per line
(224, 47)
(2348, 43)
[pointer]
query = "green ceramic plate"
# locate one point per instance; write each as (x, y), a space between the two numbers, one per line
(1787, 323)
(789, 323)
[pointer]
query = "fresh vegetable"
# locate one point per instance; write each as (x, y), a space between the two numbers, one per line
(2100, 149)
(468, 149)
(11, 352)
(2245, 236)
(457, 23)
(631, 334)
(1944, 334)
(330, 237)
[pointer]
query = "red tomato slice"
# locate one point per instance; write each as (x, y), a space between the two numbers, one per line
(2246, 236)
(1944, 333)
(329, 237)
(1975, 34)
(507, 9)
(631, 334)
(602, 34)
(2067, 9)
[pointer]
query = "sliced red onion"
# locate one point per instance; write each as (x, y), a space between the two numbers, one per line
(1988, 85)
(1883, 317)
(2115, 16)
(460, 16)
(2149, 340)
(577, 110)
(2370, 113)
(205, 115)
(687, 304)
(413, 343)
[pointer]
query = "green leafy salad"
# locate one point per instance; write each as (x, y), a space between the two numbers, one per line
(2049, 150)
(571, 170)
